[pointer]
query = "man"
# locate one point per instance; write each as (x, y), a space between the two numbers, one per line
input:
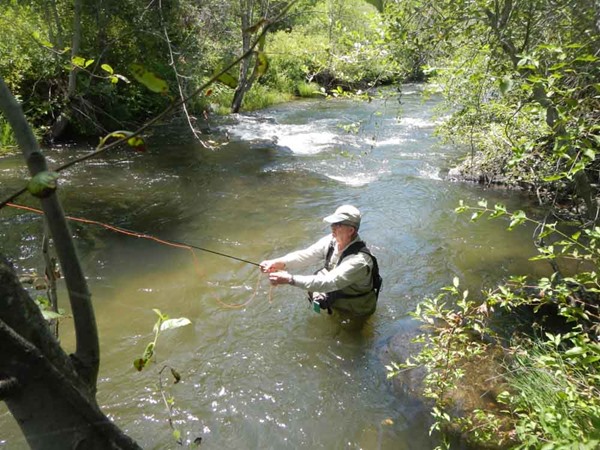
(349, 280)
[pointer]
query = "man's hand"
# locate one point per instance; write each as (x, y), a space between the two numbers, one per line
(271, 265)
(280, 278)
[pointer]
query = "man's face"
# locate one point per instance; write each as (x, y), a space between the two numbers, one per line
(342, 233)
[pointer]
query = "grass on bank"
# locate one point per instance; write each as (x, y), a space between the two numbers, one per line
(8, 144)
(259, 97)
(556, 398)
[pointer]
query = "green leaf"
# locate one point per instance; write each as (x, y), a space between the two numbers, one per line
(50, 315)
(78, 61)
(587, 58)
(575, 351)
(517, 219)
(594, 347)
(149, 351)
(590, 153)
(137, 143)
(174, 323)
(477, 215)
(499, 210)
(262, 64)
(506, 85)
(160, 315)
(177, 435)
(107, 68)
(228, 80)
(149, 79)
(43, 184)
(81, 62)
(38, 38)
(139, 364)
(555, 177)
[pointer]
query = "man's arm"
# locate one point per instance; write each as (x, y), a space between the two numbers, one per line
(301, 258)
(353, 269)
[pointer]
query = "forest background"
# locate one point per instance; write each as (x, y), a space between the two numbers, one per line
(520, 84)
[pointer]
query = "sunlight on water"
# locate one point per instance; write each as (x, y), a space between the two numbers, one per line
(357, 180)
(306, 139)
(416, 122)
(430, 172)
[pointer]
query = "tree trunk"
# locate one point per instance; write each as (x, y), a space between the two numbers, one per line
(54, 25)
(247, 79)
(244, 83)
(61, 123)
(87, 352)
(39, 383)
(51, 395)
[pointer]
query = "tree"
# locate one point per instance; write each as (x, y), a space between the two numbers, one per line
(250, 11)
(63, 118)
(50, 394)
(516, 63)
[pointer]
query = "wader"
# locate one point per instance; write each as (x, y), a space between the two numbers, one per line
(347, 299)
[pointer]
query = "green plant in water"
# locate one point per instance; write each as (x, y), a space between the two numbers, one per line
(455, 333)
(163, 323)
(46, 308)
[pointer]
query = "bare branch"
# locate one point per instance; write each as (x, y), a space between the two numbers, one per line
(87, 352)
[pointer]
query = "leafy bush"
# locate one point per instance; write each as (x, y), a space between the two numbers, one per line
(295, 55)
(342, 40)
(553, 377)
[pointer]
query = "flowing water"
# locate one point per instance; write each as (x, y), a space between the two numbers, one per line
(259, 368)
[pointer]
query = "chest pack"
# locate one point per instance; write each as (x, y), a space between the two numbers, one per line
(354, 249)
(326, 301)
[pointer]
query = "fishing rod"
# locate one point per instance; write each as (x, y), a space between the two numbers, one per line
(214, 252)
(138, 234)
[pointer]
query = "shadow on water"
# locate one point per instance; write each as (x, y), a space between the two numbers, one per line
(259, 369)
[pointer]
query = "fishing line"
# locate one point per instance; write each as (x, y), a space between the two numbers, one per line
(138, 234)
(171, 243)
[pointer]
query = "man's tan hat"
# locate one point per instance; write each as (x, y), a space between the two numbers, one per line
(346, 214)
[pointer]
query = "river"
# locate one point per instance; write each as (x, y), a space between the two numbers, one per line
(259, 368)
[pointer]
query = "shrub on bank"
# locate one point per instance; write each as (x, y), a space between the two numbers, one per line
(552, 368)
